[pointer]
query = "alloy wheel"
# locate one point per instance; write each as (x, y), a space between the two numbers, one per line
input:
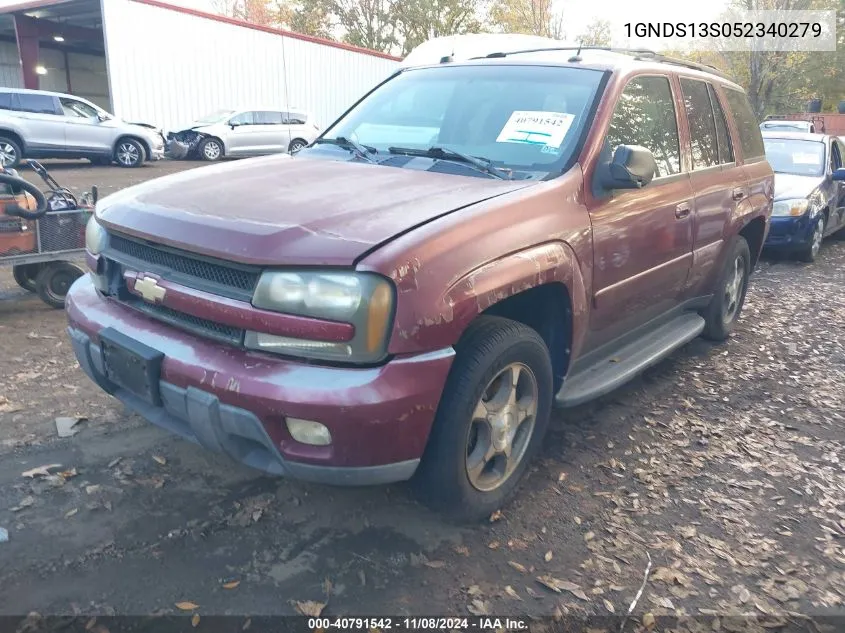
(8, 154)
(818, 236)
(211, 150)
(128, 154)
(502, 425)
(734, 288)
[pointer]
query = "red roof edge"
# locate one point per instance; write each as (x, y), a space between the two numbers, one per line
(268, 29)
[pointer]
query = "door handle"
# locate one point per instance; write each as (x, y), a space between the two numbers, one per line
(738, 194)
(682, 210)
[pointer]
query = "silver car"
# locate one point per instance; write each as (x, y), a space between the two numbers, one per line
(246, 132)
(41, 124)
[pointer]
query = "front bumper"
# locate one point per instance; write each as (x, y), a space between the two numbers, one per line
(234, 401)
(790, 232)
(156, 153)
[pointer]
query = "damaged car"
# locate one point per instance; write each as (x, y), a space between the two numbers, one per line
(240, 133)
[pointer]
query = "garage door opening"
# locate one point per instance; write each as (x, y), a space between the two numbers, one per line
(57, 46)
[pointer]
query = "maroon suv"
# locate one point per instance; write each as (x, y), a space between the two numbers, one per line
(471, 243)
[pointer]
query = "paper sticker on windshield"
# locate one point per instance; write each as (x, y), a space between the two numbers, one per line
(806, 159)
(533, 127)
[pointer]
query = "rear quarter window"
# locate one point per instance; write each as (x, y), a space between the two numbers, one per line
(5, 100)
(750, 138)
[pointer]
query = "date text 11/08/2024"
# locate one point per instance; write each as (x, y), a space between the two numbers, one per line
(704, 30)
(482, 623)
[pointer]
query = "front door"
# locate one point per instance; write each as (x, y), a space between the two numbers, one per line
(642, 238)
(837, 207)
(83, 129)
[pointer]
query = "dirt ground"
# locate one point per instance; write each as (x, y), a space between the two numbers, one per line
(724, 465)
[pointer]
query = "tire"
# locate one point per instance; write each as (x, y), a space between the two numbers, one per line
(296, 145)
(445, 480)
(26, 274)
(211, 149)
(10, 152)
(54, 280)
(811, 251)
(726, 305)
(129, 153)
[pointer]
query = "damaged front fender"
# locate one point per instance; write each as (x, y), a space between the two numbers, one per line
(184, 144)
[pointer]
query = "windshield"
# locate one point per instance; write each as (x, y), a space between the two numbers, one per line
(216, 116)
(794, 156)
(523, 118)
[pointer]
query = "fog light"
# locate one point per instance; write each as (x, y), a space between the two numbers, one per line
(309, 432)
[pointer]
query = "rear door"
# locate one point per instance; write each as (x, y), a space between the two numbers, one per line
(719, 183)
(271, 132)
(642, 238)
(41, 121)
(837, 211)
(296, 123)
(85, 131)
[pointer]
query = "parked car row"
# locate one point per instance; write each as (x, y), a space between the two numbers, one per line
(42, 124)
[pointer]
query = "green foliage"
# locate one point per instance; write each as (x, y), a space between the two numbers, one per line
(531, 17)
(597, 33)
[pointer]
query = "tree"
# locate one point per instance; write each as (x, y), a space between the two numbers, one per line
(310, 17)
(596, 34)
(532, 17)
(253, 11)
(366, 23)
(421, 20)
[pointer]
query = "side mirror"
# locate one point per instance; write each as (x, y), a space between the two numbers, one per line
(233, 124)
(839, 174)
(632, 167)
(101, 117)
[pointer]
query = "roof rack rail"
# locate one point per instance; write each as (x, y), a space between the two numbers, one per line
(638, 53)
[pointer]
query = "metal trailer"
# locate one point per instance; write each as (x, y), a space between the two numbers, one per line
(42, 253)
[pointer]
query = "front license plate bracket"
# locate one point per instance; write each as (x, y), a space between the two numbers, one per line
(131, 364)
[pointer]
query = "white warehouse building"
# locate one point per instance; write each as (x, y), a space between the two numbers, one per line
(148, 61)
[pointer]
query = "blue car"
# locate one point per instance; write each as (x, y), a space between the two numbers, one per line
(809, 201)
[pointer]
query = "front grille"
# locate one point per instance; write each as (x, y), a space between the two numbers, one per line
(241, 279)
(188, 322)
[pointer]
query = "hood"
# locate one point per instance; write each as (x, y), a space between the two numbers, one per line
(280, 210)
(789, 186)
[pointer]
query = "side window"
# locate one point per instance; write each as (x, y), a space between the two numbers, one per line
(726, 150)
(39, 104)
(294, 118)
(835, 156)
(702, 124)
(244, 118)
(74, 108)
(750, 138)
(5, 100)
(266, 117)
(645, 115)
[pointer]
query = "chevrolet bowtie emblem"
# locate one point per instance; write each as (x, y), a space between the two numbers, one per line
(149, 290)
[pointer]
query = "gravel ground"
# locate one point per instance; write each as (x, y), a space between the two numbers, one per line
(723, 466)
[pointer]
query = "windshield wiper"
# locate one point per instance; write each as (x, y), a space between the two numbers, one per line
(361, 151)
(444, 153)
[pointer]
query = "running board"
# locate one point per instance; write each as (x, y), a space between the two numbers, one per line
(613, 371)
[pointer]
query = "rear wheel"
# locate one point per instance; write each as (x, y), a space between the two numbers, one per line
(26, 274)
(729, 296)
(812, 249)
(54, 281)
(296, 145)
(10, 152)
(490, 421)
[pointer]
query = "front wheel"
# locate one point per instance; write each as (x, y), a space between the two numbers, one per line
(130, 153)
(54, 281)
(10, 153)
(210, 149)
(729, 295)
(811, 250)
(490, 421)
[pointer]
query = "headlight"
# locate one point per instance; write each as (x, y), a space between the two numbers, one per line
(363, 299)
(96, 237)
(794, 207)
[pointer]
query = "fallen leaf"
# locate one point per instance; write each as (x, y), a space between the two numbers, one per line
(187, 606)
(247, 624)
(8, 407)
(578, 520)
(589, 536)
(548, 556)
(562, 477)
(474, 590)
(495, 516)
(41, 471)
(494, 545)
(231, 584)
(434, 564)
(310, 608)
(689, 531)
(462, 550)
(70, 513)
(520, 568)
(558, 586)
(670, 576)
(25, 503)
(533, 593)
(195, 620)
(479, 607)
(114, 462)
(68, 474)
(609, 606)
(160, 459)
(512, 593)
(648, 620)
